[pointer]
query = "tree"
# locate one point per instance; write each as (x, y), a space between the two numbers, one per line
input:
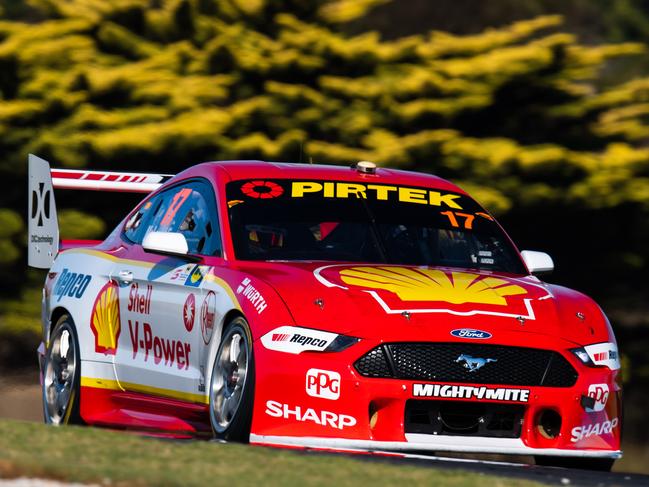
(515, 114)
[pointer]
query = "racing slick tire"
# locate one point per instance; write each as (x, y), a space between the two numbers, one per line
(62, 375)
(599, 464)
(232, 384)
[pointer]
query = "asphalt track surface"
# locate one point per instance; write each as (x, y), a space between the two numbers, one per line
(545, 475)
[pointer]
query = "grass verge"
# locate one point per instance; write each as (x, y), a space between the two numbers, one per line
(108, 457)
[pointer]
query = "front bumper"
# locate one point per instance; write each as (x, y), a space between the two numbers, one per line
(368, 414)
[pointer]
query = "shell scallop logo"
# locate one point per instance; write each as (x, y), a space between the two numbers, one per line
(412, 284)
(105, 322)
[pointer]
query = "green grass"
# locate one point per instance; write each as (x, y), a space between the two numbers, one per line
(107, 457)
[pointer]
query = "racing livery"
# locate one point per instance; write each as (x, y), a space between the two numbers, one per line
(356, 309)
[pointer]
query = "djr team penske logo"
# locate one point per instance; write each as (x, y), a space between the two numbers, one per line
(41, 204)
(105, 322)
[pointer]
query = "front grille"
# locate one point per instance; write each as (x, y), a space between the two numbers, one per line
(455, 418)
(440, 362)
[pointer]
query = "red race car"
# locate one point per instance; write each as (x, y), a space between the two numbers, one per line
(356, 309)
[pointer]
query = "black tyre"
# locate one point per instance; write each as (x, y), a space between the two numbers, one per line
(599, 464)
(62, 375)
(232, 385)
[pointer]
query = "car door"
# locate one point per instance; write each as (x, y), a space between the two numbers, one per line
(160, 342)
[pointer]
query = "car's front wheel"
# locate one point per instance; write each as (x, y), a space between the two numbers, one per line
(62, 375)
(599, 464)
(232, 384)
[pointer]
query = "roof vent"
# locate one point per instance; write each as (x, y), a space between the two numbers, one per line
(366, 167)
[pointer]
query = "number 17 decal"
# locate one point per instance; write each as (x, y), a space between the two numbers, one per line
(468, 218)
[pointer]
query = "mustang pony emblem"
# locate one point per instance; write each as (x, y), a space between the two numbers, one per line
(473, 363)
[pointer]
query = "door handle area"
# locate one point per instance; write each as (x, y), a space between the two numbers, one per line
(125, 276)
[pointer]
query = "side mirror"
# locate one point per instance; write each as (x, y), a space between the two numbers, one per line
(166, 243)
(537, 262)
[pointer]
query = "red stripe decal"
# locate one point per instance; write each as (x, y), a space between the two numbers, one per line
(67, 175)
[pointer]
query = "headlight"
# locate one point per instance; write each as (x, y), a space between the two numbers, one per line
(295, 339)
(599, 355)
(341, 342)
(582, 355)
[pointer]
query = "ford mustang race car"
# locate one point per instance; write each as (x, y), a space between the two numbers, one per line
(356, 309)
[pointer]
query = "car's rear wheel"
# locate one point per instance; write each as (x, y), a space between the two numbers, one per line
(599, 464)
(62, 375)
(232, 384)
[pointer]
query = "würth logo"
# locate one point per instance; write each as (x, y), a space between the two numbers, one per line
(40, 204)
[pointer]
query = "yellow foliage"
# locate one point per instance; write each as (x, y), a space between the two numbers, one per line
(442, 44)
(339, 11)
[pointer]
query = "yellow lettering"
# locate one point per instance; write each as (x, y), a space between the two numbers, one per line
(412, 195)
(343, 190)
(299, 188)
(436, 199)
(381, 191)
(328, 190)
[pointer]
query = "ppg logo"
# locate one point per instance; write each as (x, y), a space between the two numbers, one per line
(599, 392)
(40, 204)
(323, 383)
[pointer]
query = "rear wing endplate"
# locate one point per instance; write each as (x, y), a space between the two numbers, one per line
(43, 227)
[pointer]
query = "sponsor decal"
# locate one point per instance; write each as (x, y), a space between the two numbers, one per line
(398, 289)
(41, 205)
(471, 334)
(252, 295)
(207, 316)
(140, 302)
(42, 239)
(599, 393)
(178, 199)
(71, 284)
(604, 354)
(105, 320)
(586, 431)
(323, 418)
(432, 284)
(196, 276)
(471, 392)
(294, 339)
(473, 364)
(180, 274)
(323, 383)
(262, 189)
(380, 192)
(149, 345)
(189, 311)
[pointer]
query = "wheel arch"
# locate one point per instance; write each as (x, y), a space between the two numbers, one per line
(56, 315)
(216, 342)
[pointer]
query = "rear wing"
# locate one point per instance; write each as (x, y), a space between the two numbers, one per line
(43, 226)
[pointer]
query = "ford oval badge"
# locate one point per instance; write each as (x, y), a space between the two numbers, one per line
(471, 334)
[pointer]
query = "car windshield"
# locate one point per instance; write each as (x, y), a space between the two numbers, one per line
(364, 222)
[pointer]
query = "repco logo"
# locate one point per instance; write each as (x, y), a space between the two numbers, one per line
(323, 383)
(600, 393)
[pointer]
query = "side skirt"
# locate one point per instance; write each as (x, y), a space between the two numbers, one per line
(144, 413)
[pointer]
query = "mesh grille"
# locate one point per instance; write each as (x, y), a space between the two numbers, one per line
(441, 362)
(374, 364)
